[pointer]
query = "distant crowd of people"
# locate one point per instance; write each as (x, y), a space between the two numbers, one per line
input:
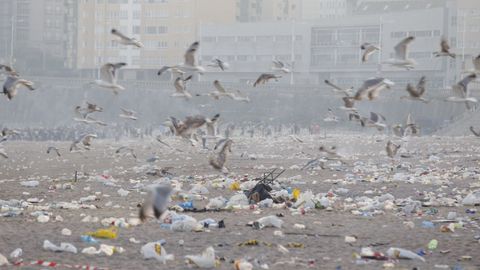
(117, 132)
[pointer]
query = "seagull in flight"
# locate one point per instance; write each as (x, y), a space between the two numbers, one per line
(186, 128)
(368, 49)
(444, 49)
(376, 120)
(280, 66)
(401, 59)
(8, 70)
(128, 114)
(108, 77)
(416, 92)
(12, 83)
(124, 40)
(475, 132)
(181, 88)
(190, 64)
(218, 161)
(462, 92)
(125, 149)
(85, 141)
(391, 149)
(371, 88)
(338, 89)
(331, 117)
(217, 63)
(265, 77)
(476, 66)
(51, 149)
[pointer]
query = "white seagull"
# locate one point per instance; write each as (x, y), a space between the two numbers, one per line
(190, 64)
(462, 92)
(265, 77)
(280, 66)
(108, 77)
(476, 66)
(401, 59)
(124, 40)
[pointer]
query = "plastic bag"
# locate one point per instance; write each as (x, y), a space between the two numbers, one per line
(155, 250)
(205, 260)
(64, 247)
(270, 221)
(400, 253)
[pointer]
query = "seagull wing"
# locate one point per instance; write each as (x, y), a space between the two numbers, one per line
(179, 85)
(119, 34)
(190, 54)
(366, 87)
(327, 82)
(401, 50)
(421, 86)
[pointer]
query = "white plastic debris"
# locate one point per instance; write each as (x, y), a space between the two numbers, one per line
(3, 260)
(205, 260)
(238, 200)
(43, 218)
(270, 221)
(105, 249)
(64, 247)
(122, 192)
(66, 232)
(400, 253)
(472, 198)
(216, 203)
(155, 250)
(32, 183)
(17, 253)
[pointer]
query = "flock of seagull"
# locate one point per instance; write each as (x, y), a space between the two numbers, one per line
(184, 72)
(372, 87)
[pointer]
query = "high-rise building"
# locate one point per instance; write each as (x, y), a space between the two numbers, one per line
(268, 10)
(37, 32)
(166, 28)
(467, 24)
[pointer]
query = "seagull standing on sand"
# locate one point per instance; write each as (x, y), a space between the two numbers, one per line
(12, 83)
(416, 93)
(401, 59)
(190, 64)
(462, 92)
(368, 49)
(124, 40)
(156, 203)
(108, 77)
(444, 49)
(265, 77)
